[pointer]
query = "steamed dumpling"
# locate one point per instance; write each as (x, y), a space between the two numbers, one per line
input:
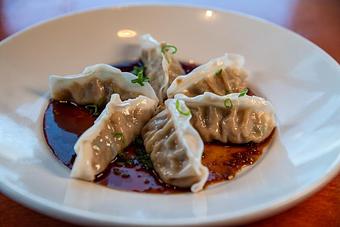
(223, 75)
(96, 84)
(161, 66)
(115, 128)
(231, 118)
(175, 147)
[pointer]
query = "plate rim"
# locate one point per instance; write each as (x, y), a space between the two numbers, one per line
(75, 215)
(166, 5)
(54, 210)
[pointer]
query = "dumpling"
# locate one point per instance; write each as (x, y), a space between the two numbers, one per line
(115, 128)
(223, 75)
(96, 84)
(175, 147)
(161, 66)
(231, 118)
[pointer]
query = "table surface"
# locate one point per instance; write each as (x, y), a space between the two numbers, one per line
(316, 20)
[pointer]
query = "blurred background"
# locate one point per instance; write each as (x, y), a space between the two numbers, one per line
(317, 20)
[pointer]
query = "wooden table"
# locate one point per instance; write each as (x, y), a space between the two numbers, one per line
(317, 20)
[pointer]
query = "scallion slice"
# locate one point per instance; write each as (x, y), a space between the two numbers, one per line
(178, 108)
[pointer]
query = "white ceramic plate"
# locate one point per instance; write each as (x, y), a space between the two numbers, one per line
(299, 79)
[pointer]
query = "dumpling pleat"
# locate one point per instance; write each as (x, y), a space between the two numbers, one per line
(175, 148)
(247, 119)
(115, 128)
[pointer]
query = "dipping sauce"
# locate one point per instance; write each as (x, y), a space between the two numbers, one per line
(64, 122)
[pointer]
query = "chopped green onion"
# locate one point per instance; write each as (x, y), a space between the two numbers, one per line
(218, 72)
(138, 69)
(93, 109)
(178, 107)
(243, 92)
(142, 156)
(144, 159)
(123, 158)
(228, 103)
(119, 135)
(141, 78)
(168, 47)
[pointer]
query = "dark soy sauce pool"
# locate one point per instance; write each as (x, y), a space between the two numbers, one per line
(64, 122)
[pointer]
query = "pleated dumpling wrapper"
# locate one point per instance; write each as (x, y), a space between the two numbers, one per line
(115, 128)
(96, 84)
(231, 118)
(161, 66)
(175, 147)
(222, 75)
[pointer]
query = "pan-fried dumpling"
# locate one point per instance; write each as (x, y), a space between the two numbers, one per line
(231, 118)
(96, 84)
(175, 147)
(161, 66)
(223, 75)
(115, 128)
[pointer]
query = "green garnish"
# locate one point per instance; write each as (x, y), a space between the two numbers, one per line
(144, 159)
(218, 72)
(141, 155)
(141, 78)
(138, 69)
(93, 109)
(124, 158)
(168, 47)
(228, 103)
(243, 92)
(119, 135)
(130, 162)
(178, 108)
